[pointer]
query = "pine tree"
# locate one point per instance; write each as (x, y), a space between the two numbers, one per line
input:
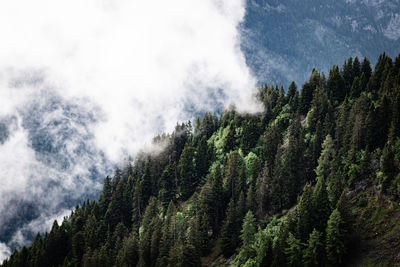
(356, 68)
(105, 195)
(128, 255)
(348, 74)
(149, 221)
(155, 240)
(201, 159)
(344, 206)
(314, 251)
(116, 211)
(335, 248)
(247, 236)
(184, 255)
(356, 87)
(187, 172)
(235, 175)
(307, 92)
(336, 85)
(251, 198)
(168, 235)
(217, 198)
(263, 245)
(262, 192)
(293, 251)
(204, 226)
(325, 159)
(230, 140)
(167, 185)
(137, 204)
(272, 139)
(291, 90)
(229, 231)
(145, 184)
(291, 173)
(321, 205)
(305, 213)
(366, 69)
(250, 134)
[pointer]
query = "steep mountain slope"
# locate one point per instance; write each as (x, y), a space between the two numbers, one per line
(51, 158)
(313, 180)
(285, 40)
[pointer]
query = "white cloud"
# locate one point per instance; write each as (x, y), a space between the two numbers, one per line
(4, 251)
(133, 58)
(134, 66)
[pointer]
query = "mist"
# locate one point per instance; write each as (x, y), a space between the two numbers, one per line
(85, 84)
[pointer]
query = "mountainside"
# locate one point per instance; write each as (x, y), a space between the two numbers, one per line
(55, 128)
(285, 40)
(313, 180)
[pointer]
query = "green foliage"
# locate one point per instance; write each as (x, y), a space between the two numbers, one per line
(247, 236)
(229, 231)
(321, 205)
(305, 212)
(294, 250)
(314, 251)
(284, 170)
(335, 248)
(187, 172)
(326, 158)
(128, 254)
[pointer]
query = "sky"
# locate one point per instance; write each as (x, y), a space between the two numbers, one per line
(85, 84)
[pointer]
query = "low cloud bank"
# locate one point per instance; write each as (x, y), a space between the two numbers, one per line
(84, 84)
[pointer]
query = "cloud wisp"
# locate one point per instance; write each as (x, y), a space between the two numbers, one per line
(84, 84)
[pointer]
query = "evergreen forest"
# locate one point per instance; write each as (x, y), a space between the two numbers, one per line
(312, 180)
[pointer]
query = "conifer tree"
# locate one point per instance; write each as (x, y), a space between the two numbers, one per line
(305, 213)
(247, 235)
(235, 175)
(336, 85)
(325, 159)
(229, 231)
(137, 204)
(149, 221)
(168, 235)
(117, 210)
(307, 91)
(321, 205)
(201, 158)
(230, 140)
(250, 134)
(348, 74)
(105, 195)
(145, 184)
(128, 255)
(356, 68)
(262, 193)
(272, 139)
(294, 251)
(314, 251)
(217, 198)
(187, 172)
(167, 185)
(335, 248)
(366, 69)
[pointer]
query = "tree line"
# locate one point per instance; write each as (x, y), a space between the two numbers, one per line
(269, 189)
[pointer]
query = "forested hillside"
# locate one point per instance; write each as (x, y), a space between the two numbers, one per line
(313, 180)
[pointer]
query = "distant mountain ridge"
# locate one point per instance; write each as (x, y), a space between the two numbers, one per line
(284, 40)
